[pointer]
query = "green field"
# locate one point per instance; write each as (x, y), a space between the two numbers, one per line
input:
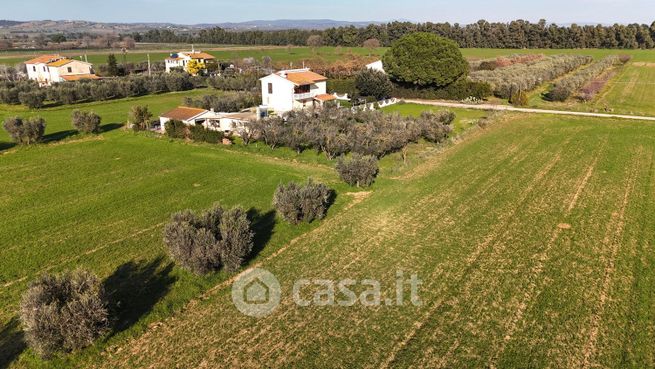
(100, 202)
(533, 239)
(281, 55)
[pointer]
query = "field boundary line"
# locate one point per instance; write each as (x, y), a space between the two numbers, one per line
(496, 107)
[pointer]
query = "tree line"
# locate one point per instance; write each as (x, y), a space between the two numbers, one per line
(518, 34)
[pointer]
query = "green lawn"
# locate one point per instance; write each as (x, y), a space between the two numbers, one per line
(534, 242)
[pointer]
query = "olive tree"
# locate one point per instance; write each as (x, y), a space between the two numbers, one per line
(202, 243)
(302, 202)
(86, 121)
(360, 170)
(25, 131)
(63, 313)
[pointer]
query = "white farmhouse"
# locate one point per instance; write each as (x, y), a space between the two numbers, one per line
(293, 89)
(225, 122)
(48, 69)
(376, 65)
(182, 59)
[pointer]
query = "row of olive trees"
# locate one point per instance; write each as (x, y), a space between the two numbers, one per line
(29, 131)
(227, 102)
(565, 87)
(33, 96)
(335, 131)
(526, 77)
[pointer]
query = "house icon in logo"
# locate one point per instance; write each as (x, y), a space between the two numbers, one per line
(256, 292)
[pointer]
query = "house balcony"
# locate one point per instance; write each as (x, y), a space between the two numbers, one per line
(304, 96)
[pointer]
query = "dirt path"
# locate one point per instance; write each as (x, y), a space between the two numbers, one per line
(495, 107)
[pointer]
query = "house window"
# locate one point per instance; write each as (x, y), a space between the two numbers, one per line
(34, 68)
(70, 70)
(44, 69)
(270, 88)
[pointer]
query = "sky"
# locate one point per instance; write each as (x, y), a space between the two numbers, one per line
(218, 11)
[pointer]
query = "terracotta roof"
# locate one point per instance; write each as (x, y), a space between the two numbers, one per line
(44, 59)
(199, 55)
(183, 113)
(305, 78)
(325, 97)
(60, 62)
(76, 77)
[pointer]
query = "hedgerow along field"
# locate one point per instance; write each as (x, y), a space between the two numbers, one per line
(533, 240)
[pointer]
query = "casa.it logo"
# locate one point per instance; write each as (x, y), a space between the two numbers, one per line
(256, 293)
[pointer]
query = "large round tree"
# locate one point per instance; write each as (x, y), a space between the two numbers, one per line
(425, 59)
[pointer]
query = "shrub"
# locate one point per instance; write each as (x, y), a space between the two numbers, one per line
(139, 118)
(63, 313)
(519, 98)
(202, 134)
(33, 100)
(202, 243)
(435, 127)
(25, 132)
(236, 238)
(297, 203)
(191, 244)
(86, 121)
(359, 171)
(425, 59)
(176, 129)
(373, 83)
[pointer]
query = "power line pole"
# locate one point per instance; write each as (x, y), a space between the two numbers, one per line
(149, 70)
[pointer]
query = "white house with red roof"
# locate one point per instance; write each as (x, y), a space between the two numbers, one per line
(293, 89)
(48, 69)
(182, 59)
(225, 122)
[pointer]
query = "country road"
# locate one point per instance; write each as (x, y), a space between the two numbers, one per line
(525, 110)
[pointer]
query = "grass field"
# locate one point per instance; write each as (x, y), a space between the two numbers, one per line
(533, 239)
(101, 202)
(277, 54)
(632, 91)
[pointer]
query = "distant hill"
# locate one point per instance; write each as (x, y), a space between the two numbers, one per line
(8, 23)
(70, 26)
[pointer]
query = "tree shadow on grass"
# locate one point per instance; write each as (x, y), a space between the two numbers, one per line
(6, 146)
(12, 342)
(263, 225)
(58, 136)
(134, 289)
(110, 127)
